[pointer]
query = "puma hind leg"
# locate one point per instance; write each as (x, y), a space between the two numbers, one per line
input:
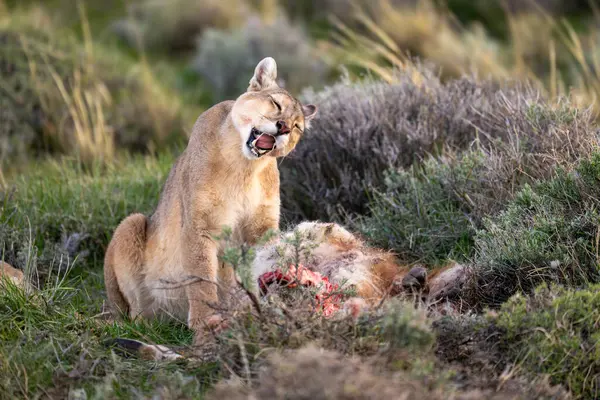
(123, 265)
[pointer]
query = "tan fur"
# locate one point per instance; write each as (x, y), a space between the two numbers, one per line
(167, 264)
(349, 262)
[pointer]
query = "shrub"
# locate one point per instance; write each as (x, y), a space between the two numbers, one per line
(555, 331)
(174, 26)
(432, 211)
(548, 233)
(312, 372)
(543, 48)
(469, 342)
(313, 369)
(315, 373)
(226, 59)
(427, 213)
(288, 321)
(63, 96)
(364, 129)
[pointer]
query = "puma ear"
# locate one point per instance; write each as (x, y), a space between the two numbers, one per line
(265, 75)
(309, 111)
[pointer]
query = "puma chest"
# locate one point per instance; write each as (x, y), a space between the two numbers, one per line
(242, 201)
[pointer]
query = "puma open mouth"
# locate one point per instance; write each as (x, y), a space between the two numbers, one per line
(260, 143)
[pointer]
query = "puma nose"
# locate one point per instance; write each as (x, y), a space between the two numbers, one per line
(282, 128)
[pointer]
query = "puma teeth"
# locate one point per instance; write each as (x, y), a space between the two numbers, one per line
(255, 134)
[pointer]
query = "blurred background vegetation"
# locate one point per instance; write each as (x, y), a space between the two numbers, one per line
(447, 130)
(96, 79)
(433, 114)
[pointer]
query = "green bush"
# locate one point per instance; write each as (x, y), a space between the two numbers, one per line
(556, 331)
(433, 210)
(429, 212)
(549, 232)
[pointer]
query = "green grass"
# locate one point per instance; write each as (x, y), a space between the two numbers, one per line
(57, 199)
(51, 344)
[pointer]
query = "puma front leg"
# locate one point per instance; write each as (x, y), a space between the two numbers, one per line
(264, 220)
(200, 261)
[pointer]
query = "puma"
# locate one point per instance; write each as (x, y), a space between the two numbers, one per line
(167, 265)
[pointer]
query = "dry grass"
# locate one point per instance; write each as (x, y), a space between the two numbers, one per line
(174, 26)
(69, 96)
(420, 29)
(541, 48)
(83, 131)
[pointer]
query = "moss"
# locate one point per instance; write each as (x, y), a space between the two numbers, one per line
(555, 331)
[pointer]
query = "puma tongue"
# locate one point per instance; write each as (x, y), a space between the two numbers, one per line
(265, 142)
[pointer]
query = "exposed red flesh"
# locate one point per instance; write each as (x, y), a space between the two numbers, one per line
(327, 302)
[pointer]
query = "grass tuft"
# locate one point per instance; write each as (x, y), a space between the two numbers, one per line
(61, 95)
